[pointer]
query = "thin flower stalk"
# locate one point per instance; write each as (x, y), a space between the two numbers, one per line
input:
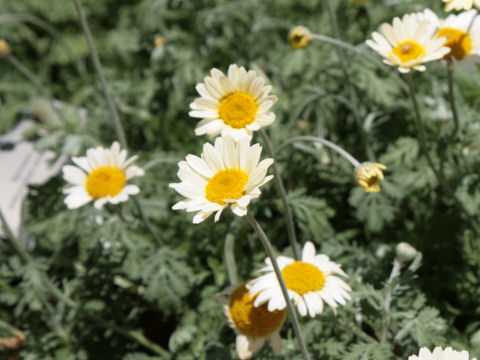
(451, 98)
(292, 237)
(229, 254)
(291, 310)
(397, 264)
(351, 90)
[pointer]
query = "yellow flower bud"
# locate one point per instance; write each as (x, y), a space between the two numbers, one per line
(367, 175)
(299, 37)
(4, 48)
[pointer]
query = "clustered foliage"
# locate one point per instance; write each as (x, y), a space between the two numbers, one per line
(129, 286)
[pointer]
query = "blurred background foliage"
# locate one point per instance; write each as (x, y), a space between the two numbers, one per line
(130, 287)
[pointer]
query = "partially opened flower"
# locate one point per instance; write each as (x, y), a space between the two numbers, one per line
(461, 4)
(408, 44)
(101, 177)
(368, 174)
(227, 173)
(299, 37)
(310, 282)
(439, 354)
(235, 104)
(462, 33)
(254, 325)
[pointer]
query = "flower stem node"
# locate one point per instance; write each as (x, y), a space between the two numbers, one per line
(299, 37)
(253, 324)
(368, 174)
(4, 48)
(405, 252)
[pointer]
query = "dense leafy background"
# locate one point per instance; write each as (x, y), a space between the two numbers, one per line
(126, 280)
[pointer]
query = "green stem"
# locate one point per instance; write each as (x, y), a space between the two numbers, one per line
(451, 97)
(291, 310)
(322, 141)
(388, 297)
(348, 326)
(22, 253)
(98, 69)
(351, 90)
(229, 255)
(292, 237)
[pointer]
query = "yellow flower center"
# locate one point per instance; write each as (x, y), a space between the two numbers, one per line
(226, 185)
(303, 277)
(106, 180)
(408, 50)
(368, 174)
(251, 320)
(458, 41)
(238, 109)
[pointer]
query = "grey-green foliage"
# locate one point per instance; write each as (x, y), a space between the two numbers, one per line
(162, 285)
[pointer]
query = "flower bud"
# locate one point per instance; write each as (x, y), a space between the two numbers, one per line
(299, 37)
(367, 175)
(4, 48)
(405, 252)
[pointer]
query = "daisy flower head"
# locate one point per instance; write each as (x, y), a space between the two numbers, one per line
(462, 34)
(235, 104)
(101, 176)
(253, 325)
(408, 44)
(227, 173)
(461, 4)
(310, 282)
(439, 354)
(368, 174)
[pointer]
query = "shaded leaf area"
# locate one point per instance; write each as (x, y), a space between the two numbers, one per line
(132, 283)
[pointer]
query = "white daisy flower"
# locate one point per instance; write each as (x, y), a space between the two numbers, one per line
(101, 176)
(310, 282)
(235, 104)
(462, 33)
(253, 325)
(227, 173)
(439, 354)
(408, 43)
(461, 4)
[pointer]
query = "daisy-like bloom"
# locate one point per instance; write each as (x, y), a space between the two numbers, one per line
(461, 4)
(367, 175)
(299, 37)
(253, 324)
(227, 173)
(408, 43)
(439, 354)
(235, 104)
(101, 176)
(462, 33)
(309, 282)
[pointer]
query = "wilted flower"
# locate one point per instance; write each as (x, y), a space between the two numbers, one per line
(310, 282)
(461, 31)
(4, 48)
(439, 354)
(253, 324)
(367, 175)
(101, 176)
(235, 104)
(299, 37)
(408, 43)
(228, 173)
(461, 4)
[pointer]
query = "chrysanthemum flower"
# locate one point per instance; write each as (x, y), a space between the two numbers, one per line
(462, 33)
(461, 4)
(408, 43)
(101, 176)
(228, 173)
(367, 175)
(235, 104)
(439, 354)
(253, 324)
(299, 37)
(310, 282)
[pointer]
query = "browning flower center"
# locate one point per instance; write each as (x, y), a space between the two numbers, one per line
(251, 320)
(238, 109)
(458, 41)
(408, 50)
(303, 277)
(226, 185)
(104, 181)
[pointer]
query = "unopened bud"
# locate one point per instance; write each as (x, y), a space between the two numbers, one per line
(405, 252)
(4, 48)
